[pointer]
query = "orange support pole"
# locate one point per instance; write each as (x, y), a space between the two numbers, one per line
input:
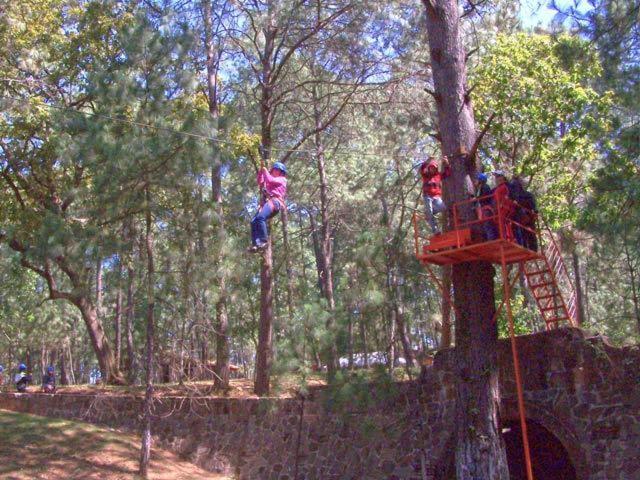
(501, 227)
(516, 367)
(499, 309)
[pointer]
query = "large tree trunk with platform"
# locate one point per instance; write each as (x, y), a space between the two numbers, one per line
(480, 450)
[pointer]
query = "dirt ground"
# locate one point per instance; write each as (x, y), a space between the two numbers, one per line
(239, 388)
(33, 447)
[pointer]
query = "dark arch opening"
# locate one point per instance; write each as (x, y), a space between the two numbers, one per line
(549, 458)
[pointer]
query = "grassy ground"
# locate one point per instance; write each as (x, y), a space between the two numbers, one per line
(33, 447)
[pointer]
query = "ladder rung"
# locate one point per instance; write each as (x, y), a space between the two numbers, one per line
(547, 309)
(538, 272)
(541, 285)
(556, 320)
(544, 297)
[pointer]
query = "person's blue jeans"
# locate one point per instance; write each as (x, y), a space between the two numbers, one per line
(259, 232)
(433, 206)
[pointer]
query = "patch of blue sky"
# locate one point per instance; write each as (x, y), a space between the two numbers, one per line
(538, 13)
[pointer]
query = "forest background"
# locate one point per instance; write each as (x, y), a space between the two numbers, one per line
(130, 133)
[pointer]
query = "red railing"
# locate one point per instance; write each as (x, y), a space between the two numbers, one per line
(489, 217)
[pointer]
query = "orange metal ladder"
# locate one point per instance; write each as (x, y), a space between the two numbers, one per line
(550, 283)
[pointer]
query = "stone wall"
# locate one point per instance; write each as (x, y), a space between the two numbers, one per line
(583, 391)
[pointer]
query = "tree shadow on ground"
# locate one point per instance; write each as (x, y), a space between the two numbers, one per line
(34, 447)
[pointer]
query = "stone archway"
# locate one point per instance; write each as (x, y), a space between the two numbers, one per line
(556, 452)
(549, 429)
(550, 460)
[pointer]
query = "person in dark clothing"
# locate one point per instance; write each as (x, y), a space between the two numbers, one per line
(484, 207)
(483, 189)
(49, 380)
(22, 378)
(525, 214)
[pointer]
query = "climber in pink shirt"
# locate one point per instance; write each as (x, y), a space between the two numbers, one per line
(273, 186)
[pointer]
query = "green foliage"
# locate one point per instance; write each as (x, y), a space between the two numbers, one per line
(548, 115)
(102, 101)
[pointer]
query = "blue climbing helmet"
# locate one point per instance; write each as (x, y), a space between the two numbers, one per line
(280, 166)
(482, 177)
(22, 367)
(50, 369)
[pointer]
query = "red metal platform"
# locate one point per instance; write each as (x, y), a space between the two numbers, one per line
(490, 251)
(484, 229)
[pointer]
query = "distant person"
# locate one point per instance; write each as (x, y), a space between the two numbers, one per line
(49, 380)
(1, 375)
(22, 378)
(484, 206)
(525, 214)
(432, 189)
(504, 205)
(483, 189)
(273, 188)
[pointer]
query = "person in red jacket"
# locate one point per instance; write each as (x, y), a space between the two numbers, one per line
(504, 203)
(432, 189)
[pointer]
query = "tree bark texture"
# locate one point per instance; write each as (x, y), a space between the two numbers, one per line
(131, 356)
(117, 318)
(480, 450)
(145, 451)
(445, 331)
(80, 296)
(99, 341)
(290, 277)
(264, 351)
(221, 317)
(633, 278)
(326, 244)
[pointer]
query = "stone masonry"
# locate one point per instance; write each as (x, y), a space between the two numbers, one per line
(582, 390)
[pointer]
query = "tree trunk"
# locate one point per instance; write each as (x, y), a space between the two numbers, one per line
(64, 374)
(221, 322)
(391, 344)
(480, 450)
(363, 339)
(445, 332)
(265, 338)
(117, 320)
(265, 333)
(101, 347)
(633, 277)
(326, 247)
(131, 355)
(284, 221)
(145, 451)
(187, 316)
(81, 297)
(99, 289)
(350, 339)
